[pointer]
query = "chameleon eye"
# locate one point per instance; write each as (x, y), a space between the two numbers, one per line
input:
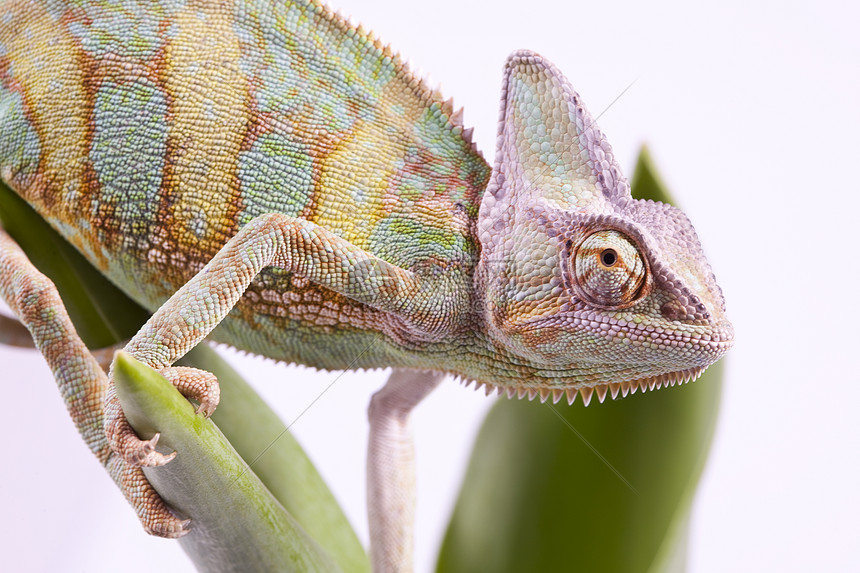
(610, 271)
(608, 258)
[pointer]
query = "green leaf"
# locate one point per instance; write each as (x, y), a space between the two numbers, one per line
(606, 488)
(237, 524)
(646, 182)
(262, 439)
(103, 316)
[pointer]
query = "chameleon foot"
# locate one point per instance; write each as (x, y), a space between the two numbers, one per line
(192, 383)
(155, 516)
(195, 384)
(123, 440)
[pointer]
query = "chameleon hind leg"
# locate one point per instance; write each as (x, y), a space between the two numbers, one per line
(16, 335)
(82, 382)
(391, 468)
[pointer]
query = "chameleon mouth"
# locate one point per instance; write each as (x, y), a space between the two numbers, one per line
(612, 389)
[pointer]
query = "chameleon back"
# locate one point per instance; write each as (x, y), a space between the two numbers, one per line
(149, 133)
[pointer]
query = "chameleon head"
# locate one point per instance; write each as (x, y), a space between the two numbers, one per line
(582, 284)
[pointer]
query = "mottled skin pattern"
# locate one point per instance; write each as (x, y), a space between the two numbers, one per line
(364, 225)
(230, 114)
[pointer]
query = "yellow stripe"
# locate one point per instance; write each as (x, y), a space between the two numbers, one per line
(208, 116)
(356, 193)
(44, 63)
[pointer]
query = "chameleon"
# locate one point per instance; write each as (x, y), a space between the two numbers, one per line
(267, 175)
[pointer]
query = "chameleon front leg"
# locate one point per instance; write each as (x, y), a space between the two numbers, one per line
(34, 300)
(269, 240)
(391, 468)
(295, 245)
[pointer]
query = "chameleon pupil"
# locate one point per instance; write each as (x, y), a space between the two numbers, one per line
(608, 257)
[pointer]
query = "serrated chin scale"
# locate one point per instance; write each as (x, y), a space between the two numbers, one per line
(612, 389)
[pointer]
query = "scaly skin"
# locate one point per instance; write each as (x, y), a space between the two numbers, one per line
(339, 207)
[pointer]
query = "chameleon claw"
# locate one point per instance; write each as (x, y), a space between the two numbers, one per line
(195, 384)
(143, 453)
(124, 442)
(170, 529)
(192, 383)
(203, 409)
(529, 267)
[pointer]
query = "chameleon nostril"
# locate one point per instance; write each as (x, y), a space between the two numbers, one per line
(673, 310)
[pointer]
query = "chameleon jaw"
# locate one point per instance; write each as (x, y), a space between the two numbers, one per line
(612, 389)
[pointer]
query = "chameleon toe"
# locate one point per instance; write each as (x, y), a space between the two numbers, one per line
(142, 452)
(195, 384)
(155, 515)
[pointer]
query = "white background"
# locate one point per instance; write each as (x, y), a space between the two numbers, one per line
(752, 111)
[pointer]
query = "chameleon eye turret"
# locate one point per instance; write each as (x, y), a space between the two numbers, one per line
(609, 270)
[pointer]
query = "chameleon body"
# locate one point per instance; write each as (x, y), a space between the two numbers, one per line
(229, 114)
(366, 228)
